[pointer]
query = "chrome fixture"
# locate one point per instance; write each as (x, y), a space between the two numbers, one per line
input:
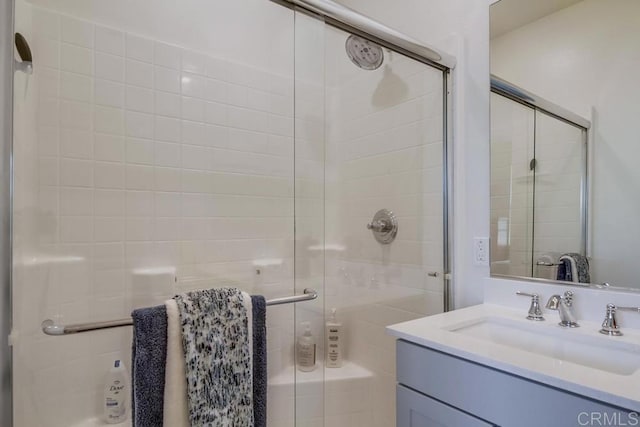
(610, 324)
(564, 305)
(49, 327)
(535, 312)
(347, 19)
(24, 51)
(364, 53)
(384, 226)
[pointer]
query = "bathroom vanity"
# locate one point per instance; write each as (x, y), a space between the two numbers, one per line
(487, 365)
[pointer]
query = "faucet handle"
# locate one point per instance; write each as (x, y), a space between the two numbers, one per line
(610, 324)
(535, 312)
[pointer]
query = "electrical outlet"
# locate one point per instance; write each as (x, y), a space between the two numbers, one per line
(481, 251)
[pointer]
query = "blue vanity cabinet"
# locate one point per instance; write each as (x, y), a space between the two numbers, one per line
(417, 410)
(439, 389)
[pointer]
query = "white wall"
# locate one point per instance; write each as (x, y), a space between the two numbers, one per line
(581, 57)
(460, 27)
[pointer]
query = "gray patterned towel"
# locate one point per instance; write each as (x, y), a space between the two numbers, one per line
(217, 342)
(149, 355)
(573, 267)
(259, 361)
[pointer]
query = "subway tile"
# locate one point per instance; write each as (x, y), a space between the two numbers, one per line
(109, 40)
(217, 114)
(167, 129)
(168, 179)
(167, 55)
(139, 125)
(195, 157)
(48, 170)
(76, 201)
(46, 24)
(139, 229)
(193, 133)
(109, 93)
(167, 80)
(139, 48)
(108, 203)
(109, 67)
(76, 173)
(193, 109)
(109, 175)
(75, 87)
(139, 73)
(215, 90)
(217, 68)
(75, 115)
(108, 147)
(49, 51)
(139, 99)
(167, 104)
(109, 120)
(140, 151)
(77, 32)
(48, 141)
(108, 229)
(76, 143)
(194, 62)
(76, 59)
(48, 112)
(49, 83)
(167, 204)
(193, 85)
(140, 203)
(76, 229)
(139, 177)
(167, 154)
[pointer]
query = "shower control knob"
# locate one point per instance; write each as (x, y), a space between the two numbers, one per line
(384, 226)
(380, 226)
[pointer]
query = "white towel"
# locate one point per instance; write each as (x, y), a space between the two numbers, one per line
(176, 406)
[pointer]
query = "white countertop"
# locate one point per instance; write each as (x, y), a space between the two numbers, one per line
(614, 389)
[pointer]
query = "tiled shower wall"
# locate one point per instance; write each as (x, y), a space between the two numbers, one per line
(155, 169)
(384, 150)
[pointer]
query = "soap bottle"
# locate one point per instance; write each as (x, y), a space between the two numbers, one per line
(306, 349)
(116, 391)
(334, 344)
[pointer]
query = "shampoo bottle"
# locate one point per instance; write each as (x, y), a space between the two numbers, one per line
(334, 344)
(306, 349)
(116, 391)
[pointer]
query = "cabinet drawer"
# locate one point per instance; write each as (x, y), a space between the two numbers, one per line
(417, 410)
(490, 394)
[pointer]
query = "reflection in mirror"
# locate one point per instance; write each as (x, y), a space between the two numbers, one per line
(581, 59)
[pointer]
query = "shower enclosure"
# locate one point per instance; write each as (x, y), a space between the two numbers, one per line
(538, 183)
(160, 147)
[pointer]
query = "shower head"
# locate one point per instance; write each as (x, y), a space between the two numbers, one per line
(364, 53)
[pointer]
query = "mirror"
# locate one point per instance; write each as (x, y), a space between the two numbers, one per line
(564, 176)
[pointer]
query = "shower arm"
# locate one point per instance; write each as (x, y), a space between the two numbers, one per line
(49, 327)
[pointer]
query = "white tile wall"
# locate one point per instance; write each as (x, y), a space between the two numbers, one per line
(384, 150)
(147, 155)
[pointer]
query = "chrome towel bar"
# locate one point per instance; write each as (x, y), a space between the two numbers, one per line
(49, 327)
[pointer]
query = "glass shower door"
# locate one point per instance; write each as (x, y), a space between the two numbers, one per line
(367, 138)
(153, 154)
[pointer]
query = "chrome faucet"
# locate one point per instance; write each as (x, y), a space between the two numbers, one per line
(610, 325)
(564, 305)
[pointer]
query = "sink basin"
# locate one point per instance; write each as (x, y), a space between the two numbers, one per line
(601, 353)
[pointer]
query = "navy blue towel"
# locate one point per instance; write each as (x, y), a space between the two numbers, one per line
(149, 357)
(259, 361)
